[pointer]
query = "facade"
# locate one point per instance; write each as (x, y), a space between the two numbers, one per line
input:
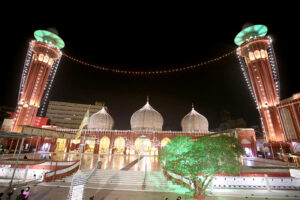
(145, 137)
(258, 62)
(289, 112)
(41, 63)
(69, 115)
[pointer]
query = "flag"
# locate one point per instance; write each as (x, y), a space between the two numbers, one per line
(85, 121)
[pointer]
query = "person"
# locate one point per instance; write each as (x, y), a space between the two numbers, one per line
(25, 157)
(1, 195)
(26, 193)
(178, 198)
(10, 192)
(21, 195)
(92, 198)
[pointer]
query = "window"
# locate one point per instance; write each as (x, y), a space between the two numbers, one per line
(288, 124)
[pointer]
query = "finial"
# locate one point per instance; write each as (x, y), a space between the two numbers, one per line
(147, 99)
(192, 105)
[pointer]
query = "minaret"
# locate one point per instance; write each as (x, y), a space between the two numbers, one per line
(259, 66)
(41, 62)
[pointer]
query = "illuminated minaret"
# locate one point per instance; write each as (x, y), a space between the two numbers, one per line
(258, 63)
(40, 66)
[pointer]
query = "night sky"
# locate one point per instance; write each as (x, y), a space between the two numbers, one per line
(150, 40)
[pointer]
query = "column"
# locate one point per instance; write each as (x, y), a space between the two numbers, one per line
(67, 147)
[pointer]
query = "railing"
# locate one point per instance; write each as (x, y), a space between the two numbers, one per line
(61, 173)
(78, 184)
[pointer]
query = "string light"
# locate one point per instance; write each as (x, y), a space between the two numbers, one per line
(120, 71)
(48, 87)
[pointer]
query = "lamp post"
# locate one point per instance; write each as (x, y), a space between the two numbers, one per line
(82, 150)
(156, 143)
(16, 165)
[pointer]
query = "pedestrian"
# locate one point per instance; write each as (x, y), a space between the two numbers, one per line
(178, 198)
(26, 193)
(92, 197)
(1, 195)
(10, 192)
(21, 195)
(25, 157)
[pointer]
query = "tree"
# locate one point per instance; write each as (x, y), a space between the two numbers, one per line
(200, 160)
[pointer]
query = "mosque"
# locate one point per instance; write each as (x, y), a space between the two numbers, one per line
(146, 135)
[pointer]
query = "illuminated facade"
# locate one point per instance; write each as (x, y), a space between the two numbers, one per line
(258, 62)
(40, 66)
(146, 136)
(289, 112)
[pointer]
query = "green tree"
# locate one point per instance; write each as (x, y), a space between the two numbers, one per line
(200, 160)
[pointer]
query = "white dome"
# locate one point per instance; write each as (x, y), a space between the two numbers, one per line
(194, 122)
(146, 118)
(101, 120)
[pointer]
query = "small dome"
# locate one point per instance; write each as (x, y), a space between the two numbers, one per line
(101, 120)
(146, 118)
(194, 122)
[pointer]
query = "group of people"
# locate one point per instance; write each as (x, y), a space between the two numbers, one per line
(23, 195)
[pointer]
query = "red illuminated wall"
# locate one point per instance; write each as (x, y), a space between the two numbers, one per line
(259, 68)
(289, 112)
(32, 90)
(39, 121)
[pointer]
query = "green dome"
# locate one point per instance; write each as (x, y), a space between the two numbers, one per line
(49, 37)
(250, 32)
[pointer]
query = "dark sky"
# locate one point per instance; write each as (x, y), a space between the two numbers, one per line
(150, 40)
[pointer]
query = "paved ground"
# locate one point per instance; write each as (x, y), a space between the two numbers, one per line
(60, 193)
(89, 160)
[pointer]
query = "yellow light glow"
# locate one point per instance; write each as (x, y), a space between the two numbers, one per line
(119, 144)
(251, 56)
(60, 145)
(104, 145)
(257, 54)
(41, 57)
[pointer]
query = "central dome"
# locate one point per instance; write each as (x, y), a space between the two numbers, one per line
(101, 120)
(146, 118)
(194, 122)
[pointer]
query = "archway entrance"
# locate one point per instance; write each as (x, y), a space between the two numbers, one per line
(143, 145)
(60, 145)
(119, 145)
(104, 145)
(89, 146)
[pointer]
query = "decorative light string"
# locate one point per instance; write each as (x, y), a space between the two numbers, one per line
(121, 71)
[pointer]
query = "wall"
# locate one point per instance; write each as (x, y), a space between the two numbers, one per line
(246, 182)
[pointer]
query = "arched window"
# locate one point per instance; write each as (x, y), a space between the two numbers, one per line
(257, 54)
(104, 144)
(143, 144)
(119, 144)
(251, 56)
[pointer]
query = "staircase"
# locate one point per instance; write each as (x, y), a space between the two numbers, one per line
(154, 181)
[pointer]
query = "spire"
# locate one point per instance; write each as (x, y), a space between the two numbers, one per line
(147, 99)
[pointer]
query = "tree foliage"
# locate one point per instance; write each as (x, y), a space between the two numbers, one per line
(208, 156)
